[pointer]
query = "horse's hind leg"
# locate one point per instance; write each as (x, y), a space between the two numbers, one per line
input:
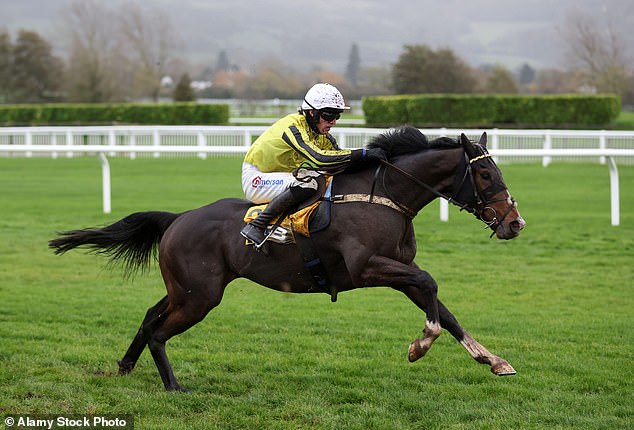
(177, 319)
(448, 321)
(137, 346)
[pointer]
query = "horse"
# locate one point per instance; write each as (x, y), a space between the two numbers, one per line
(369, 242)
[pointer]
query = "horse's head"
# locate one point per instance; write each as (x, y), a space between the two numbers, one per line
(484, 193)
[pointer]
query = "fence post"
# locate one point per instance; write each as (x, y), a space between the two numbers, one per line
(156, 142)
(342, 141)
(105, 183)
(132, 143)
(69, 142)
(602, 145)
(54, 143)
(495, 142)
(203, 143)
(28, 141)
(247, 138)
(112, 140)
(444, 209)
(614, 191)
(548, 144)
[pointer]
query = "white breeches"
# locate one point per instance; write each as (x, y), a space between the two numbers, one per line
(260, 187)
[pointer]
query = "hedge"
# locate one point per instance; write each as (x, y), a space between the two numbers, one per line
(475, 110)
(107, 114)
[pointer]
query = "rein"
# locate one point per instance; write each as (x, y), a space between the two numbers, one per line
(480, 196)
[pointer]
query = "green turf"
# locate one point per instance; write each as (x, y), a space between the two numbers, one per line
(556, 303)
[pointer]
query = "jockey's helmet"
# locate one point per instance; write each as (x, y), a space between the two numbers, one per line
(324, 96)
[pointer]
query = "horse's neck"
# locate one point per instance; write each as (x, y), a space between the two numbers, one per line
(435, 168)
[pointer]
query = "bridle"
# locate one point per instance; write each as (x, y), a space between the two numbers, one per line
(478, 205)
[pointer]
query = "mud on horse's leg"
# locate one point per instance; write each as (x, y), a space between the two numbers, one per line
(499, 366)
(478, 352)
(419, 347)
(419, 286)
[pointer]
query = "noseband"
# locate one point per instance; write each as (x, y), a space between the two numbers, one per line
(481, 198)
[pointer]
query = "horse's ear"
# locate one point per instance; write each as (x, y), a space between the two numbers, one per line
(468, 146)
(483, 140)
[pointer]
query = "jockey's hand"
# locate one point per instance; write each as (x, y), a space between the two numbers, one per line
(375, 154)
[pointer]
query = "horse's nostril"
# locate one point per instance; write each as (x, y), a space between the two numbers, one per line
(515, 226)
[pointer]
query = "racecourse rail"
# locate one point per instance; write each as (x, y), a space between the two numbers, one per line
(606, 147)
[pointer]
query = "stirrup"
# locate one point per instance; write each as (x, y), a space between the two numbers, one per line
(254, 234)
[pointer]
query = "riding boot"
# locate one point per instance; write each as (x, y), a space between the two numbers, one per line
(255, 230)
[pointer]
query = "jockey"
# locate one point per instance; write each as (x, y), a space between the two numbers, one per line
(273, 171)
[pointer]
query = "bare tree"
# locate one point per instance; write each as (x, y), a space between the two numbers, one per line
(597, 49)
(95, 65)
(117, 54)
(150, 42)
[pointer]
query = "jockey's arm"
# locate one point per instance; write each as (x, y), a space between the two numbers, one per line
(301, 143)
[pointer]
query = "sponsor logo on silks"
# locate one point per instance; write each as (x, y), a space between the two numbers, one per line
(259, 182)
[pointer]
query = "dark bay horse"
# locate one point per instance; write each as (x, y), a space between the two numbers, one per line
(366, 245)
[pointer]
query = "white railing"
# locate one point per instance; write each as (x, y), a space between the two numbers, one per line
(504, 145)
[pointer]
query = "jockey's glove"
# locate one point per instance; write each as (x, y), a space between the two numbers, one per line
(361, 156)
(374, 154)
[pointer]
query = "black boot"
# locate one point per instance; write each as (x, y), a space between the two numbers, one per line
(254, 231)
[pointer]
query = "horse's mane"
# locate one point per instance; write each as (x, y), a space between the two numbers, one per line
(407, 139)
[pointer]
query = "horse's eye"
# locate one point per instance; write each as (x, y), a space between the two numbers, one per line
(486, 176)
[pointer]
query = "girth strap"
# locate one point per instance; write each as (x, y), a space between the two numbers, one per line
(367, 198)
(314, 265)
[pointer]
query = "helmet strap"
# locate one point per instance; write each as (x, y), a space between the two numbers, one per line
(312, 118)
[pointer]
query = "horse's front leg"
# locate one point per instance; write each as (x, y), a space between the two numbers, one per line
(498, 365)
(388, 272)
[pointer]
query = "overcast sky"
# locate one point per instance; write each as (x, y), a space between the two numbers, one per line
(305, 34)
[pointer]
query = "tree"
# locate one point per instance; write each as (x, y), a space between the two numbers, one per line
(151, 41)
(598, 50)
(500, 81)
(183, 91)
(422, 70)
(354, 66)
(97, 71)
(117, 55)
(222, 63)
(271, 79)
(36, 72)
(526, 74)
(6, 65)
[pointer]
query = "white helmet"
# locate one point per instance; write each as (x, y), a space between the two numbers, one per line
(322, 96)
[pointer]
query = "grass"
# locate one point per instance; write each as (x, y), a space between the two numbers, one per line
(556, 303)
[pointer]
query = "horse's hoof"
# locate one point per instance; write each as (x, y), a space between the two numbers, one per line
(503, 369)
(179, 389)
(414, 352)
(125, 368)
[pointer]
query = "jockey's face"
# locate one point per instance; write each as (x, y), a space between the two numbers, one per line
(324, 126)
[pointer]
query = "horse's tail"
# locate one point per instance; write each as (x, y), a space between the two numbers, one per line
(133, 240)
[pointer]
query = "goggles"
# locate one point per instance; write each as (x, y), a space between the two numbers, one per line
(329, 116)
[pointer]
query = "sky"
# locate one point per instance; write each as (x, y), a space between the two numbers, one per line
(309, 34)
